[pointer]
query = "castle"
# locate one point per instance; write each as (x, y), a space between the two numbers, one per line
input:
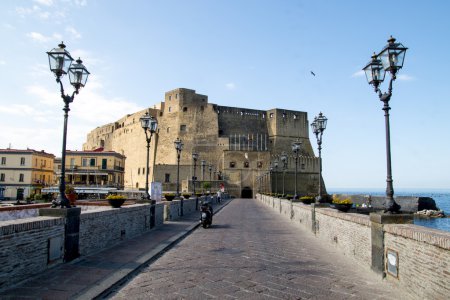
(236, 146)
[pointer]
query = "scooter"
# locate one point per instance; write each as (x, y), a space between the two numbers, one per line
(206, 215)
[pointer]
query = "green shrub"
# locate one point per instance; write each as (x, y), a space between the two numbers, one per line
(115, 197)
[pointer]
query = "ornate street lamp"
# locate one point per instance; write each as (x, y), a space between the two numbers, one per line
(210, 171)
(390, 59)
(150, 125)
(179, 147)
(284, 158)
(318, 126)
(60, 63)
(296, 145)
(203, 165)
(275, 166)
(194, 178)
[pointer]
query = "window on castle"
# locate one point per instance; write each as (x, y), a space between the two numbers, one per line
(246, 164)
(21, 177)
(166, 177)
(185, 109)
(176, 96)
(22, 161)
(182, 128)
(259, 164)
(271, 115)
(2, 177)
(202, 108)
(168, 129)
(170, 97)
(3, 160)
(139, 171)
(170, 109)
(303, 166)
(232, 164)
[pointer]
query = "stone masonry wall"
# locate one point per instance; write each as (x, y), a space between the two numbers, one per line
(424, 260)
(348, 232)
(24, 247)
(105, 227)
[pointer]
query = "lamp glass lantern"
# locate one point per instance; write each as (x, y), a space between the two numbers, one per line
(59, 60)
(195, 156)
(78, 74)
(321, 122)
(283, 158)
(148, 122)
(392, 56)
(374, 71)
(178, 145)
(296, 146)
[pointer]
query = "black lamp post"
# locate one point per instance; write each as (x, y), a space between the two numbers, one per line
(210, 171)
(318, 126)
(283, 158)
(149, 124)
(179, 147)
(296, 145)
(275, 166)
(270, 178)
(194, 178)
(60, 63)
(390, 59)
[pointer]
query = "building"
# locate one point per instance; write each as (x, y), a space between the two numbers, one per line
(97, 168)
(24, 173)
(239, 143)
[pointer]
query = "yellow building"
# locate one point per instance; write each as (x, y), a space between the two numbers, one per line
(24, 172)
(95, 168)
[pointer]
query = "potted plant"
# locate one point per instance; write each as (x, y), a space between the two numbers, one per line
(186, 195)
(289, 196)
(307, 199)
(343, 205)
(169, 196)
(115, 201)
(70, 194)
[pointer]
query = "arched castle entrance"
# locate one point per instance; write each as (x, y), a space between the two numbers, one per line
(246, 192)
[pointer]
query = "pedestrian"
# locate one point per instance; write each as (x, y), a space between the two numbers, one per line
(219, 196)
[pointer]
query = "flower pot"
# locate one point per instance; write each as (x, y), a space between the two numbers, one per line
(343, 207)
(72, 198)
(169, 197)
(116, 203)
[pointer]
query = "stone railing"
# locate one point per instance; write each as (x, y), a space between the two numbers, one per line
(412, 257)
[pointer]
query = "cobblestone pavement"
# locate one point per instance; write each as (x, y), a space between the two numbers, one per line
(250, 252)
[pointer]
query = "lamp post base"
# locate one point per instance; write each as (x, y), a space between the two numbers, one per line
(61, 201)
(390, 206)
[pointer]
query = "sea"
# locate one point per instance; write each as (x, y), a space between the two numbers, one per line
(440, 196)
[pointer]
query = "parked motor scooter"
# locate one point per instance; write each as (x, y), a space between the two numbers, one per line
(206, 213)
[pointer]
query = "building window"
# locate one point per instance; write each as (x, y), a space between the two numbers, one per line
(303, 166)
(139, 171)
(232, 164)
(182, 128)
(167, 177)
(271, 115)
(22, 161)
(3, 160)
(168, 129)
(84, 162)
(170, 97)
(104, 163)
(246, 164)
(176, 96)
(72, 163)
(260, 164)
(2, 177)
(170, 109)
(185, 109)
(92, 162)
(21, 177)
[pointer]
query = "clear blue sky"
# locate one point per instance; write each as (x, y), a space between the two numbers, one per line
(255, 54)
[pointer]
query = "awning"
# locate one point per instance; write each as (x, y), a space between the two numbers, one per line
(81, 190)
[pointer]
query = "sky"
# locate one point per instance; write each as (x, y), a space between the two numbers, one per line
(256, 54)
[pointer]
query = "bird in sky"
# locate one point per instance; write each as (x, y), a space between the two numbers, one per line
(313, 73)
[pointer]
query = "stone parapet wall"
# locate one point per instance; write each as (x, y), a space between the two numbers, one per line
(348, 232)
(24, 247)
(424, 260)
(423, 253)
(106, 227)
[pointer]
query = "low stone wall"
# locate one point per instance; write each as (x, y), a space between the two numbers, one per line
(423, 254)
(105, 227)
(423, 258)
(24, 245)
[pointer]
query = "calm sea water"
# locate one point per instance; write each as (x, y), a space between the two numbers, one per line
(441, 197)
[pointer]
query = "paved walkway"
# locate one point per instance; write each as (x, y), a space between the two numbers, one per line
(88, 277)
(250, 252)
